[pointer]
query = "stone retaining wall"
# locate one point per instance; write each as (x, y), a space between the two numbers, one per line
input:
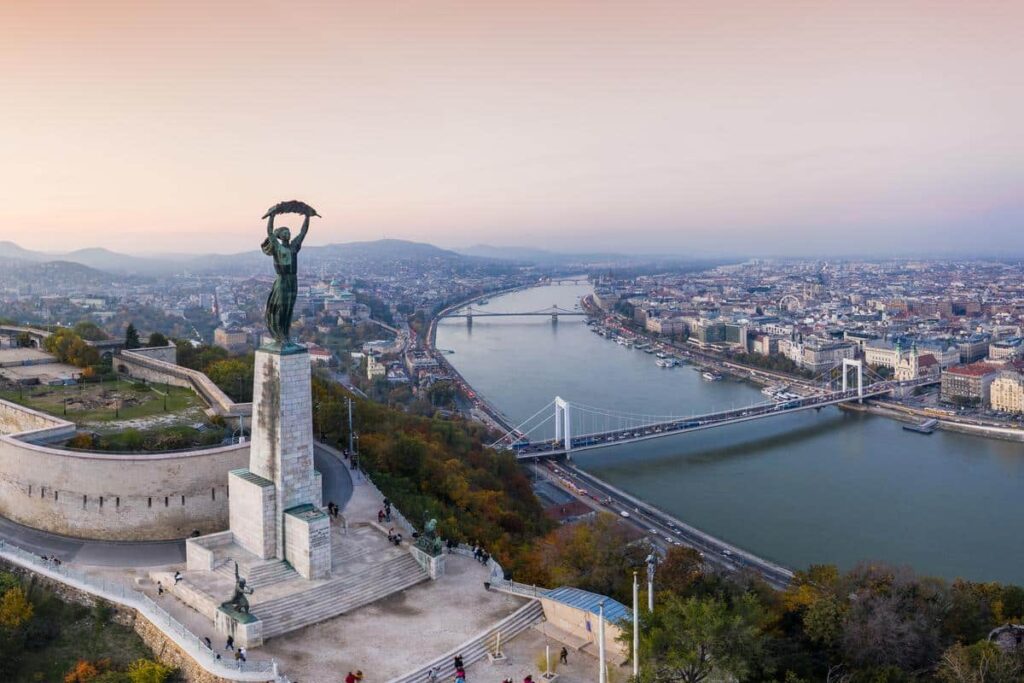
(116, 497)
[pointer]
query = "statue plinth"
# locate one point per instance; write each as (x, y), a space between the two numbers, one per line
(274, 506)
(246, 629)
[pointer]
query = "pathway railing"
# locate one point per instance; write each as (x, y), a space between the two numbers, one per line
(256, 671)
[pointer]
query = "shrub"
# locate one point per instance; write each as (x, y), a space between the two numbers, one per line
(148, 671)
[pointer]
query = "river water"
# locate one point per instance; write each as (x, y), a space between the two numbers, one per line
(812, 487)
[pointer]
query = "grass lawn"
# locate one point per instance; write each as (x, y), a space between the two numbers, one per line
(102, 401)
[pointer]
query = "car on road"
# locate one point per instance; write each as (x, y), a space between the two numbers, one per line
(654, 531)
(624, 514)
(727, 552)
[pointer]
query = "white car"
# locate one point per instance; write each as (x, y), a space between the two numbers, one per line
(624, 514)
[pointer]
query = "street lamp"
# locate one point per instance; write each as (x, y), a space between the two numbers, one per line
(652, 563)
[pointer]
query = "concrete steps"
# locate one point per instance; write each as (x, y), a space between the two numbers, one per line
(337, 595)
(478, 648)
(261, 574)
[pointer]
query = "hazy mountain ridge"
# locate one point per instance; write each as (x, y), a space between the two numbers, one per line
(102, 259)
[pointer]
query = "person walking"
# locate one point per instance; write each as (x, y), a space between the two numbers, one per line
(208, 642)
(563, 656)
(238, 659)
(177, 578)
(230, 645)
(241, 651)
(159, 588)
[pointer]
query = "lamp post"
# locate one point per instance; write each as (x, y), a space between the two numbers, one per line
(652, 563)
(600, 642)
(636, 626)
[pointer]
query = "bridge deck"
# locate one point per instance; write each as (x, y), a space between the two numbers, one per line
(552, 447)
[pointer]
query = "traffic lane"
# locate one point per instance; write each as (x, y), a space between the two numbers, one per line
(337, 481)
(93, 552)
(718, 555)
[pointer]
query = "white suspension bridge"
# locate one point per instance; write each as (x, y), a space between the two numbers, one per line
(581, 427)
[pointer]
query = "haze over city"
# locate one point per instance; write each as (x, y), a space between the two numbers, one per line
(644, 127)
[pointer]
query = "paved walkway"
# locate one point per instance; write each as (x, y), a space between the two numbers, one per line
(398, 633)
(337, 485)
(525, 655)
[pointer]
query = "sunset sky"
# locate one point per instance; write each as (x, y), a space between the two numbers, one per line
(692, 127)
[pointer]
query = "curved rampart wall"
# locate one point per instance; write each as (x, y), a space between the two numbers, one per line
(117, 497)
(104, 495)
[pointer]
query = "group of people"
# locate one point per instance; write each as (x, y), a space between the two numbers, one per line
(460, 670)
(52, 559)
(354, 677)
(384, 514)
(332, 509)
(480, 555)
(240, 654)
(394, 536)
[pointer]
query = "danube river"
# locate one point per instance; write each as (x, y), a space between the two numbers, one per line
(811, 487)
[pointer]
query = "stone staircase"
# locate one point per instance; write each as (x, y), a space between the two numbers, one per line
(479, 647)
(338, 595)
(260, 574)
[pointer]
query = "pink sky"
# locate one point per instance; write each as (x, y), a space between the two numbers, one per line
(640, 126)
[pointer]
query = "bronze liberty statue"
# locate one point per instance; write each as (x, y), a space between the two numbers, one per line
(285, 250)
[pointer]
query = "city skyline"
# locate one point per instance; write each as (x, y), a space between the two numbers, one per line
(633, 128)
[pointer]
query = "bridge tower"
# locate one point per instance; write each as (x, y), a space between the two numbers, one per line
(563, 423)
(554, 313)
(859, 364)
(469, 317)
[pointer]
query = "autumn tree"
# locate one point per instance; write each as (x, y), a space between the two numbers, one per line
(598, 556)
(15, 609)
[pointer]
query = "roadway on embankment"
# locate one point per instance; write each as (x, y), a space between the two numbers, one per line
(661, 528)
(337, 487)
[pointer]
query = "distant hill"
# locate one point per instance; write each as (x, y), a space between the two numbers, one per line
(113, 262)
(543, 257)
(10, 250)
(50, 274)
(390, 249)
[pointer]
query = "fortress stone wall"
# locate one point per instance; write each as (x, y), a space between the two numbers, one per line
(15, 419)
(118, 497)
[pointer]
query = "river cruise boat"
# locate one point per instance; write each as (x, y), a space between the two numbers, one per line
(711, 376)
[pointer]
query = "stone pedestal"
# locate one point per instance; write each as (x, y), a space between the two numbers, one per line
(253, 513)
(246, 629)
(434, 565)
(307, 532)
(275, 503)
(281, 450)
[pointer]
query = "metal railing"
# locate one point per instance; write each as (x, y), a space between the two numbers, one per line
(257, 671)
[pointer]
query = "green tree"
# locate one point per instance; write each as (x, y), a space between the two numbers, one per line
(233, 375)
(157, 339)
(90, 331)
(131, 337)
(689, 640)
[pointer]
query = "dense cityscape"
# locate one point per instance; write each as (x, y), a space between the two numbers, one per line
(511, 342)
